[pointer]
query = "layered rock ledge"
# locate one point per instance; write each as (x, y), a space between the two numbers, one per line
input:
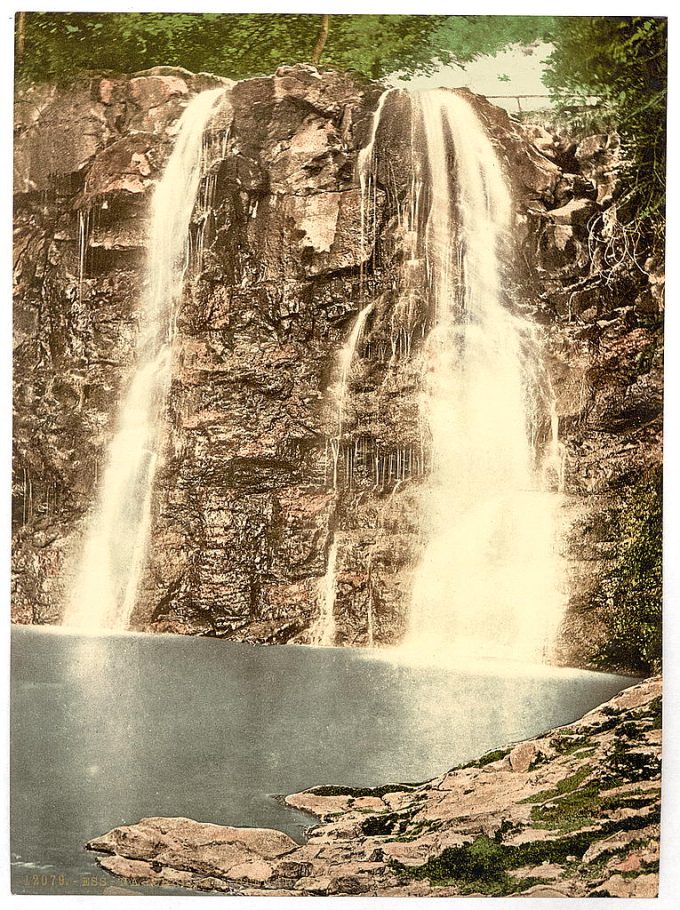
(572, 813)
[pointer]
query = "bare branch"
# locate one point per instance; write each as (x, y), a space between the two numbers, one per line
(21, 36)
(321, 39)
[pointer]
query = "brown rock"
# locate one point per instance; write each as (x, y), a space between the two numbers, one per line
(522, 756)
(592, 146)
(544, 891)
(631, 863)
(62, 132)
(575, 212)
(639, 886)
(124, 166)
(152, 91)
(184, 844)
(322, 806)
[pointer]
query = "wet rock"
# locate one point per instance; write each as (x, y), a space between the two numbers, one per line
(245, 506)
(572, 186)
(58, 134)
(599, 159)
(542, 139)
(126, 165)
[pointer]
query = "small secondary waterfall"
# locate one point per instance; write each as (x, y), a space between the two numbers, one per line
(488, 582)
(341, 389)
(105, 588)
(366, 171)
(323, 631)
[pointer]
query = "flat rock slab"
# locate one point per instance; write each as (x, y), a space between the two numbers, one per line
(241, 854)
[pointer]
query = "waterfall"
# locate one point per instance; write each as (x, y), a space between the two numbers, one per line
(341, 389)
(322, 632)
(83, 241)
(488, 582)
(107, 580)
(366, 171)
(556, 456)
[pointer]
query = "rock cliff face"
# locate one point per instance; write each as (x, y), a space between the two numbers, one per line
(284, 257)
(573, 813)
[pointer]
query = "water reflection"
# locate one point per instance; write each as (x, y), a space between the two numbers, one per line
(107, 730)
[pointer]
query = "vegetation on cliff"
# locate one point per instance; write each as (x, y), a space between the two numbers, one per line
(623, 61)
(631, 592)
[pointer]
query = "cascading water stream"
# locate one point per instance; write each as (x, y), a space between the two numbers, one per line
(366, 171)
(488, 583)
(323, 631)
(105, 587)
(341, 389)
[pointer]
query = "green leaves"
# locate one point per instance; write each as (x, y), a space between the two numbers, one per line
(623, 61)
(60, 45)
(631, 597)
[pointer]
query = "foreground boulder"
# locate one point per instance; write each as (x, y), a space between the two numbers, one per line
(572, 813)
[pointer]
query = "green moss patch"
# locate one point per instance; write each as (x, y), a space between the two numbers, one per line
(480, 866)
(566, 785)
(570, 812)
(624, 764)
(649, 715)
(486, 759)
(565, 745)
(637, 799)
(356, 792)
(485, 864)
(394, 823)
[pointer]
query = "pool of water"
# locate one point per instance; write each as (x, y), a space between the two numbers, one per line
(107, 730)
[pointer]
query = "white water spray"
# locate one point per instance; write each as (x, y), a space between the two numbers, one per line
(488, 583)
(107, 581)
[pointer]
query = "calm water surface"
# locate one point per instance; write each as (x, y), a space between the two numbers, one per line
(107, 730)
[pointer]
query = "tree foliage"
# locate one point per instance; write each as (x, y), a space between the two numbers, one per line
(623, 61)
(463, 38)
(60, 45)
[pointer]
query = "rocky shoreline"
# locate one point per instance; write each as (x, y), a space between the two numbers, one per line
(572, 813)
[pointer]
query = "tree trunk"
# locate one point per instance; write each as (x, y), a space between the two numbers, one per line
(21, 36)
(321, 39)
